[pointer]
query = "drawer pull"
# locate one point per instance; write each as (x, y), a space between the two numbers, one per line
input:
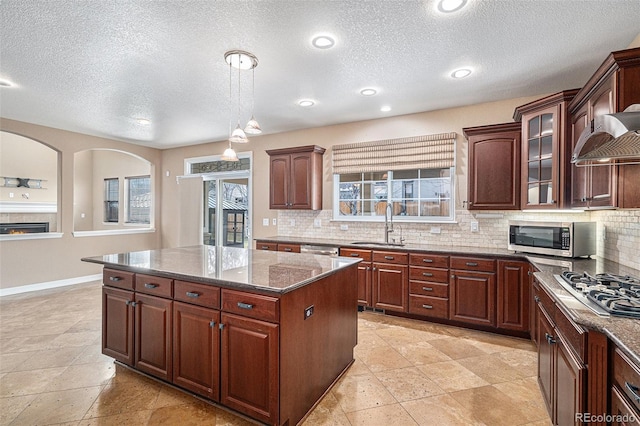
(354, 255)
(427, 260)
(265, 247)
(192, 294)
(634, 391)
(427, 288)
(550, 339)
(427, 274)
(471, 263)
(537, 299)
(150, 285)
(115, 278)
(245, 305)
(427, 306)
(288, 249)
(389, 257)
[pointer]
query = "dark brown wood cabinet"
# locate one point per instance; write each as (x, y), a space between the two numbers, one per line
(429, 285)
(612, 88)
(153, 348)
(473, 291)
(390, 282)
(494, 167)
(296, 178)
(250, 367)
(625, 389)
(513, 295)
(118, 324)
(289, 248)
(544, 166)
(365, 274)
(196, 349)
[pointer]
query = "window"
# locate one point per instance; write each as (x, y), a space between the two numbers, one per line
(138, 199)
(111, 197)
(416, 195)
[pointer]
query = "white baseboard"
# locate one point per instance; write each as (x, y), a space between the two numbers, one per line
(49, 284)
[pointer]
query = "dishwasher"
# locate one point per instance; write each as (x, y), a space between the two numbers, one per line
(322, 250)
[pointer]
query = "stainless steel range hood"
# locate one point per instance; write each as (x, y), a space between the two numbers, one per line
(614, 137)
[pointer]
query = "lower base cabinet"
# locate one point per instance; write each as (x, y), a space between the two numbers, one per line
(153, 348)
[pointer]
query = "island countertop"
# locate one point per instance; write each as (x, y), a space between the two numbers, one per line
(264, 271)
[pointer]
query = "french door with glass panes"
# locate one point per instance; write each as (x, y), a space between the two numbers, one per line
(226, 211)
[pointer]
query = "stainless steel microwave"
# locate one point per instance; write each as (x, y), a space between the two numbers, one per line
(566, 239)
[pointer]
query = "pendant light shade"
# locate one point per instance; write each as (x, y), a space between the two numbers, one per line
(253, 128)
(229, 155)
(238, 136)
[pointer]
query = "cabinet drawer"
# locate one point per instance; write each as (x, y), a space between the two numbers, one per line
(430, 260)
(429, 274)
(120, 279)
(251, 305)
(197, 294)
(428, 289)
(429, 306)
(261, 245)
(363, 254)
(157, 286)
(291, 248)
(626, 376)
(391, 257)
(473, 264)
(574, 335)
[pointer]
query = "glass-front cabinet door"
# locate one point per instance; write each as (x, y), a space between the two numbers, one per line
(540, 159)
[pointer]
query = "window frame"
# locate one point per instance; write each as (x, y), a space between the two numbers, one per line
(106, 200)
(399, 218)
(127, 200)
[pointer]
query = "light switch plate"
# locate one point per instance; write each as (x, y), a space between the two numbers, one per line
(275, 221)
(435, 229)
(344, 227)
(265, 221)
(474, 226)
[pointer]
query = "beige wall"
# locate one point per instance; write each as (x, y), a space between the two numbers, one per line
(39, 261)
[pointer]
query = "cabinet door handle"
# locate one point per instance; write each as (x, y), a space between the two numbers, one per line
(536, 298)
(212, 324)
(287, 249)
(472, 263)
(134, 304)
(245, 305)
(150, 285)
(427, 306)
(634, 391)
(127, 302)
(389, 257)
(427, 274)
(192, 294)
(427, 260)
(221, 326)
(115, 278)
(354, 255)
(550, 338)
(368, 268)
(427, 288)
(265, 247)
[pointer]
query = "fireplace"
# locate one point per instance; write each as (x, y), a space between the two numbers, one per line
(24, 228)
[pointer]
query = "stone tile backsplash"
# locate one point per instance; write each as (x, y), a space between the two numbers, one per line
(620, 241)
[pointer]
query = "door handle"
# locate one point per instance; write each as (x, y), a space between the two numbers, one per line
(389, 257)
(427, 306)
(550, 338)
(634, 391)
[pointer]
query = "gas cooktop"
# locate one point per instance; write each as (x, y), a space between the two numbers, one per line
(605, 294)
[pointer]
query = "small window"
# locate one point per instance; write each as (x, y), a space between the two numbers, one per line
(138, 199)
(111, 198)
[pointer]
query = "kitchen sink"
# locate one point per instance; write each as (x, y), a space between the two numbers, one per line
(375, 243)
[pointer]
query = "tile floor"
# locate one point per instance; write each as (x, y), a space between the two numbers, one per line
(406, 373)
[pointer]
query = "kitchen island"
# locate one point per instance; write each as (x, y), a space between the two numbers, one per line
(263, 333)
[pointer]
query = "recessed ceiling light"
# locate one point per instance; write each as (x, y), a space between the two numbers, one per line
(461, 73)
(385, 108)
(143, 121)
(6, 83)
(449, 6)
(368, 92)
(306, 103)
(323, 42)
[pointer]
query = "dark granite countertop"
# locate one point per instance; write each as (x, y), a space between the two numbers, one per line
(624, 332)
(239, 268)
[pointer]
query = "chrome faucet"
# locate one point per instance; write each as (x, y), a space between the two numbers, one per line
(388, 221)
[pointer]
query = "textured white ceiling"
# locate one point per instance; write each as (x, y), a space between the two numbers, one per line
(93, 66)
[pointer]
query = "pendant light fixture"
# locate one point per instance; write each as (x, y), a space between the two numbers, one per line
(242, 61)
(252, 127)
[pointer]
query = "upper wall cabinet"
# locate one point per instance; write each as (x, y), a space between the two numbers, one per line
(494, 167)
(613, 87)
(296, 178)
(545, 159)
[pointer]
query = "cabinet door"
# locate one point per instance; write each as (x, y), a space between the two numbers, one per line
(279, 188)
(602, 178)
(300, 192)
(249, 367)
(628, 186)
(546, 356)
(364, 284)
(117, 324)
(473, 297)
(390, 287)
(494, 171)
(153, 336)
(579, 175)
(569, 387)
(196, 349)
(513, 295)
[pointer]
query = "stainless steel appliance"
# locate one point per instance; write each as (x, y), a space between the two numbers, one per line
(605, 294)
(566, 239)
(322, 250)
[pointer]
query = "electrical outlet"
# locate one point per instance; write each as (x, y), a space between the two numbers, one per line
(604, 233)
(435, 229)
(317, 223)
(11, 195)
(265, 221)
(474, 226)
(308, 312)
(292, 222)
(344, 227)
(274, 221)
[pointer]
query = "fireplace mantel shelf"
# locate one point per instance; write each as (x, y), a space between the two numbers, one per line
(38, 236)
